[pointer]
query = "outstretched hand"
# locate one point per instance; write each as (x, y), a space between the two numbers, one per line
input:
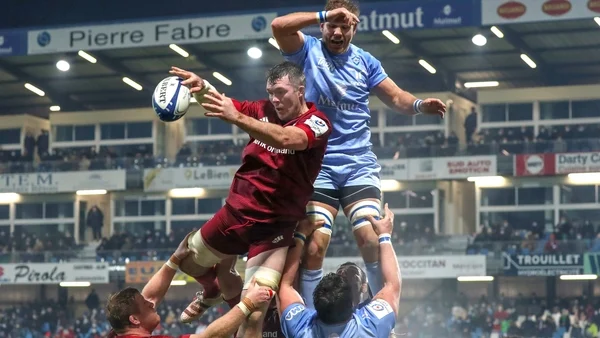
(219, 105)
(433, 107)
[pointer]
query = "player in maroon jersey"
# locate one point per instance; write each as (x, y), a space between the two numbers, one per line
(269, 192)
(132, 313)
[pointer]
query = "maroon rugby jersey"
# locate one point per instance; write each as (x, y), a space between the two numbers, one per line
(276, 184)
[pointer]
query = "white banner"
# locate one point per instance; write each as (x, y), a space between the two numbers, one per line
(70, 181)
(151, 33)
(53, 273)
(495, 12)
(424, 267)
(217, 177)
(577, 163)
(394, 169)
(451, 167)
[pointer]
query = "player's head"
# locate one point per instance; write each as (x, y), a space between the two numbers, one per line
(333, 299)
(286, 84)
(337, 36)
(357, 279)
(128, 309)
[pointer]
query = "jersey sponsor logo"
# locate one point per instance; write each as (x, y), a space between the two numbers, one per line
(293, 312)
(270, 334)
(264, 119)
(380, 308)
(273, 149)
(324, 63)
(277, 239)
(317, 125)
(325, 101)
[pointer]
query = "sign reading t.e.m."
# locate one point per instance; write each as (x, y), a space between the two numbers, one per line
(152, 33)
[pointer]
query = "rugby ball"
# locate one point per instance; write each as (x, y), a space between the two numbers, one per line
(171, 100)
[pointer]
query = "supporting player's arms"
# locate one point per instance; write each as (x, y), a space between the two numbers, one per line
(290, 137)
(225, 326)
(392, 280)
(287, 295)
(159, 284)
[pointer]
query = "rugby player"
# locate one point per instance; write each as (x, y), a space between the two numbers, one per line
(269, 192)
(337, 310)
(132, 313)
(340, 78)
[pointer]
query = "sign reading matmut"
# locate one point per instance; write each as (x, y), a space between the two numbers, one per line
(151, 33)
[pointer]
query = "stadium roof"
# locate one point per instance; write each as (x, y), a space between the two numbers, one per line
(565, 52)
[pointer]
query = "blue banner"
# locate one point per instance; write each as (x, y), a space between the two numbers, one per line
(403, 15)
(13, 43)
(543, 264)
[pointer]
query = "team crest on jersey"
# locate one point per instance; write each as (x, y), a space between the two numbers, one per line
(356, 60)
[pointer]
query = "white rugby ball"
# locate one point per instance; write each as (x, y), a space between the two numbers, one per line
(171, 100)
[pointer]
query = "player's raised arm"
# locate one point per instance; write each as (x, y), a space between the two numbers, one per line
(404, 102)
(287, 295)
(159, 284)
(286, 29)
(392, 280)
(224, 327)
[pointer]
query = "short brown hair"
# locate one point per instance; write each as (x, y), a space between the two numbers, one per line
(350, 5)
(120, 306)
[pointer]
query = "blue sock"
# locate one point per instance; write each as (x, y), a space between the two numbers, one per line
(308, 282)
(374, 277)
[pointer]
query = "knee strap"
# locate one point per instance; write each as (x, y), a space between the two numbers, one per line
(362, 209)
(201, 254)
(263, 276)
(317, 213)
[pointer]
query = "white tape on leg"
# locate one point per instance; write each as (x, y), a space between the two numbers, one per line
(317, 213)
(201, 254)
(362, 209)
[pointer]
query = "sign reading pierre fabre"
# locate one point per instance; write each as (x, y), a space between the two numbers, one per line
(543, 264)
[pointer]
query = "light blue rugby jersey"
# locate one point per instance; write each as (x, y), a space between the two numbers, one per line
(340, 86)
(376, 319)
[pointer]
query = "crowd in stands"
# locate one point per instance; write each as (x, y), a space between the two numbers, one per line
(524, 316)
(554, 139)
(565, 236)
(56, 320)
(26, 247)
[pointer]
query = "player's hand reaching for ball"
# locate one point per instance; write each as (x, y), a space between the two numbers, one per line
(433, 107)
(219, 105)
(384, 225)
(194, 82)
(342, 15)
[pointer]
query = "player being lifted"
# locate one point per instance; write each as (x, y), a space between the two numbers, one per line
(269, 192)
(340, 76)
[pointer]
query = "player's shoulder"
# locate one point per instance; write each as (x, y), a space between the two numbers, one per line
(378, 308)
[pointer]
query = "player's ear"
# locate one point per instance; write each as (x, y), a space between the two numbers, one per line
(322, 26)
(301, 91)
(134, 320)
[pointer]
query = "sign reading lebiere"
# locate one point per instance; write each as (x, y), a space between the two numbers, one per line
(53, 273)
(220, 177)
(424, 267)
(543, 264)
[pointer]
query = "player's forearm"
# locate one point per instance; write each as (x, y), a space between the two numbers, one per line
(292, 264)
(157, 287)
(390, 269)
(270, 133)
(254, 325)
(403, 103)
(225, 326)
(292, 23)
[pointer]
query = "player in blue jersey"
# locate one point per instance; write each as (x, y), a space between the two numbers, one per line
(337, 312)
(340, 76)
